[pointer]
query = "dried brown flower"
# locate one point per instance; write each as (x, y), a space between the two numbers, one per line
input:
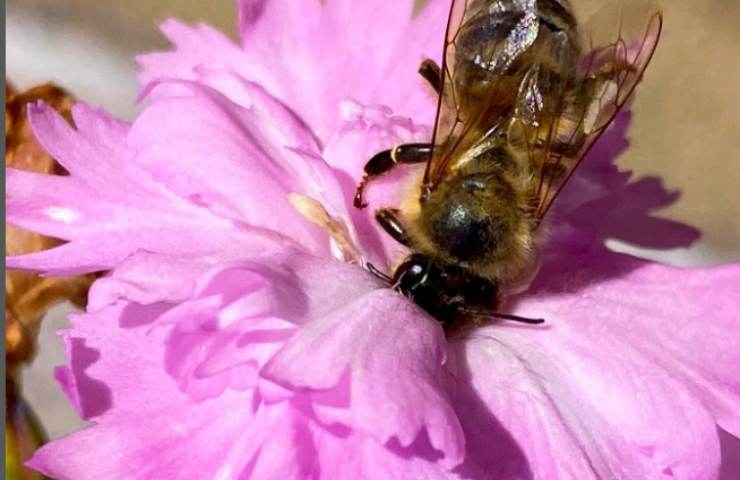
(28, 296)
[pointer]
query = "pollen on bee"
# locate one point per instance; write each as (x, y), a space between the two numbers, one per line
(62, 214)
(314, 211)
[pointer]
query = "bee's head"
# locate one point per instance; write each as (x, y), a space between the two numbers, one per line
(472, 217)
(445, 291)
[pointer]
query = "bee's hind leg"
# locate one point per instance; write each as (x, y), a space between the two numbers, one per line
(387, 160)
(432, 74)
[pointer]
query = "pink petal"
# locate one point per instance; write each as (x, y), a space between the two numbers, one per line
(283, 446)
(201, 46)
(166, 440)
(114, 206)
(151, 277)
(221, 156)
(681, 320)
(220, 340)
(153, 220)
(635, 370)
(146, 427)
(280, 127)
(569, 407)
(322, 40)
(242, 313)
(376, 334)
(331, 305)
(325, 41)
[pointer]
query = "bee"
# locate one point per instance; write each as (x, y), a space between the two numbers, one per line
(524, 92)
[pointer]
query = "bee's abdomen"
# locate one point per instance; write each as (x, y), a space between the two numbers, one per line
(497, 32)
(500, 41)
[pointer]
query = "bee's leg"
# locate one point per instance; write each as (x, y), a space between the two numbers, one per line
(432, 74)
(388, 219)
(387, 160)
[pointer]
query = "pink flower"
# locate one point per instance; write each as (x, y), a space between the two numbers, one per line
(234, 338)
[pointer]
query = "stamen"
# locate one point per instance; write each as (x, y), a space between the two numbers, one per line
(315, 212)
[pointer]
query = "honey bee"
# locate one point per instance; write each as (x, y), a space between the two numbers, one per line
(524, 92)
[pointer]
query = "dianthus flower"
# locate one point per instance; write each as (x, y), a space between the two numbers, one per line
(236, 335)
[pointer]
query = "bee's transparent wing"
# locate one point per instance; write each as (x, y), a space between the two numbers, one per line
(448, 123)
(617, 44)
(465, 116)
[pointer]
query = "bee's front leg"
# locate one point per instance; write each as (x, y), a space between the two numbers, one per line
(388, 219)
(387, 160)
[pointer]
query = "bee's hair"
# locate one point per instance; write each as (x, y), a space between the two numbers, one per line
(507, 222)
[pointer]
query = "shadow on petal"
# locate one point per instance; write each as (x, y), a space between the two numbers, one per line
(95, 397)
(421, 448)
(491, 451)
(137, 315)
(730, 469)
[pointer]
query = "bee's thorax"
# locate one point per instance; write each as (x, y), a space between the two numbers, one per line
(478, 219)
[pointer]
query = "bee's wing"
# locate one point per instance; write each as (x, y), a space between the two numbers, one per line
(448, 121)
(617, 43)
(458, 125)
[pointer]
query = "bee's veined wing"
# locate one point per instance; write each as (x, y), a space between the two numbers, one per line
(484, 37)
(617, 44)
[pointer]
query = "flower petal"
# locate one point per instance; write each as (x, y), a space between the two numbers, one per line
(681, 320)
(199, 46)
(108, 211)
(376, 334)
(219, 155)
(347, 44)
(148, 429)
(566, 406)
(133, 206)
(633, 395)
(357, 456)
(146, 425)
(325, 41)
(241, 313)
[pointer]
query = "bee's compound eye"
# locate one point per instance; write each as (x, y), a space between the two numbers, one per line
(412, 273)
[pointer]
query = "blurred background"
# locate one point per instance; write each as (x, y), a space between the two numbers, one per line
(685, 128)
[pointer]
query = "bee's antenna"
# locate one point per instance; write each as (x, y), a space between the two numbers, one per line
(503, 316)
(516, 318)
(374, 270)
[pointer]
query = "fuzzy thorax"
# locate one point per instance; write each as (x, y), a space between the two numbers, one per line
(479, 220)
